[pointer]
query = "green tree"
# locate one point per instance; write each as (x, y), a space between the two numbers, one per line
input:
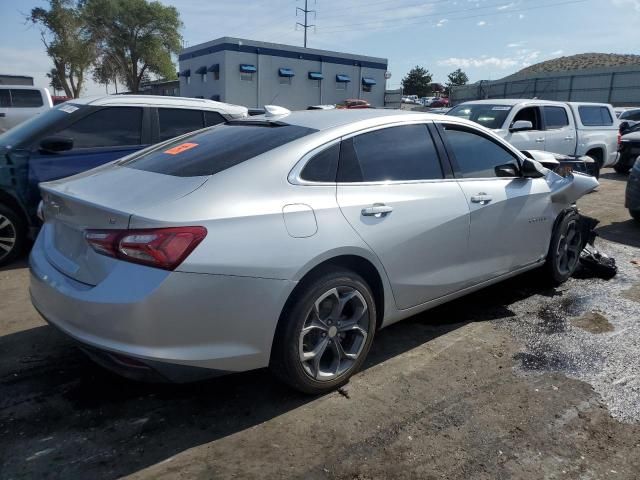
(54, 80)
(139, 36)
(417, 82)
(67, 41)
(106, 71)
(456, 79)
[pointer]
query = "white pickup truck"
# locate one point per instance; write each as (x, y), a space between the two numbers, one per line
(20, 102)
(572, 128)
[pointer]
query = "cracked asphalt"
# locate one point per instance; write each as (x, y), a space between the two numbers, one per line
(518, 381)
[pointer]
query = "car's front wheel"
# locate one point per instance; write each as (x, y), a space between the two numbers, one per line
(565, 248)
(325, 333)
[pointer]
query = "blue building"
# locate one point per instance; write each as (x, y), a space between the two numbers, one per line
(254, 74)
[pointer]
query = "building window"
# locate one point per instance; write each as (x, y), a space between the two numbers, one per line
(342, 81)
(285, 75)
(316, 79)
(285, 80)
(246, 72)
(367, 84)
(215, 69)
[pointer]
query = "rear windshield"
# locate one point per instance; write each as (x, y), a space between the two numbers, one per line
(213, 150)
(595, 116)
(490, 116)
(24, 133)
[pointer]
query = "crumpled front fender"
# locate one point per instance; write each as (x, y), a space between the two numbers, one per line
(567, 190)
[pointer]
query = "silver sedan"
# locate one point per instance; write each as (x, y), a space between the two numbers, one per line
(288, 240)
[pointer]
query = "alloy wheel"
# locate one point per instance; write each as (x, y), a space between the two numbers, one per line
(8, 236)
(568, 250)
(334, 333)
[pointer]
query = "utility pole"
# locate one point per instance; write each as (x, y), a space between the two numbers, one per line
(305, 25)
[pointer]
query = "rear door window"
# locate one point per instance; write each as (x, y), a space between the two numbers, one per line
(555, 117)
(178, 121)
(595, 116)
(108, 127)
(25, 98)
(390, 154)
(214, 150)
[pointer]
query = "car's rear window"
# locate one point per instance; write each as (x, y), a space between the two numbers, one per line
(216, 149)
(595, 116)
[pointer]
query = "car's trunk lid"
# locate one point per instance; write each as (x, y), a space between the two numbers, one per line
(106, 201)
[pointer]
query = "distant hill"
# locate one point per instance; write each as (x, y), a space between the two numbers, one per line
(581, 61)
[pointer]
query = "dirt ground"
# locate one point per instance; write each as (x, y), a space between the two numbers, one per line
(514, 382)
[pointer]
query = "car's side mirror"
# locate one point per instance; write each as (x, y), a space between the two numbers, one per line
(530, 169)
(56, 144)
(521, 126)
(506, 170)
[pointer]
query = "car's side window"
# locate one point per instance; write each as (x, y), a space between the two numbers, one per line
(108, 127)
(475, 155)
(531, 114)
(555, 117)
(212, 118)
(178, 121)
(390, 154)
(323, 166)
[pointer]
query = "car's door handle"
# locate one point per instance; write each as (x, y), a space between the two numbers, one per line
(377, 210)
(482, 198)
(539, 140)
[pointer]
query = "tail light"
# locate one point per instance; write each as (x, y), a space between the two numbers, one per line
(164, 248)
(619, 140)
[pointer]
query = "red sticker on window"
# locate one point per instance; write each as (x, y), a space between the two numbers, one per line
(181, 148)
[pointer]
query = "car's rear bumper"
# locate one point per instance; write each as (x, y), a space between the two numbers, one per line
(167, 321)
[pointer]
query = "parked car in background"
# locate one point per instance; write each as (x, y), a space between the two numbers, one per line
(629, 148)
(79, 135)
(630, 114)
(352, 103)
(58, 99)
(632, 193)
(288, 240)
(568, 128)
(440, 102)
(19, 103)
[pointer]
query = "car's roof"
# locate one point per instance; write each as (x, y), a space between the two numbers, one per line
(513, 101)
(22, 87)
(325, 119)
(158, 100)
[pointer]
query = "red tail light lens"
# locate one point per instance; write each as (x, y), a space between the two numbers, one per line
(619, 140)
(157, 247)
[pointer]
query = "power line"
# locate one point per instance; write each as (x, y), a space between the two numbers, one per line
(305, 25)
(348, 27)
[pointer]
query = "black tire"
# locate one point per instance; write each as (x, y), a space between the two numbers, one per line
(599, 163)
(12, 226)
(621, 169)
(558, 271)
(635, 214)
(289, 343)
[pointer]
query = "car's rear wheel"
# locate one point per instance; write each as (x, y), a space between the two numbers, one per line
(13, 236)
(325, 333)
(565, 248)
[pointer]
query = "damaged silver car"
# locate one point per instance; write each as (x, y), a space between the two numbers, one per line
(287, 240)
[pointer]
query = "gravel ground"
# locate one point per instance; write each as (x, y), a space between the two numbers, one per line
(589, 329)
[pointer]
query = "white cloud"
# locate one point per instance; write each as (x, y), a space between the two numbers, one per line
(502, 63)
(515, 45)
(521, 16)
(557, 52)
(635, 4)
(481, 23)
(507, 6)
(441, 22)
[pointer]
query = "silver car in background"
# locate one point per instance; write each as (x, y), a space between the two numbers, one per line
(287, 240)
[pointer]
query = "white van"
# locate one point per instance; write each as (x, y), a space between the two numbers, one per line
(19, 103)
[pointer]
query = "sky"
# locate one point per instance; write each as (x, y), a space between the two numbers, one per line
(488, 39)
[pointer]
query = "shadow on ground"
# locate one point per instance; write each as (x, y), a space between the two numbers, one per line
(627, 232)
(61, 416)
(612, 175)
